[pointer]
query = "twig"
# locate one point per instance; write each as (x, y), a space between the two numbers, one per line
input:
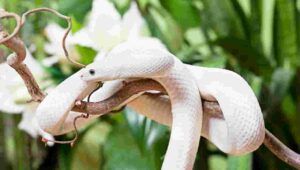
(68, 19)
(15, 60)
(14, 43)
(281, 151)
(4, 14)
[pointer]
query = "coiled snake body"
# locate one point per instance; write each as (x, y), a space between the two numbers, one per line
(241, 130)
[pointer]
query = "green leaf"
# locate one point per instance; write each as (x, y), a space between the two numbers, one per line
(240, 162)
(56, 74)
(64, 157)
(298, 24)
(150, 136)
(216, 62)
(217, 162)
(285, 33)
(290, 111)
(268, 7)
(144, 131)
(137, 143)
(87, 54)
(122, 153)
(121, 5)
(242, 17)
(76, 8)
(161, 23)
(87, 152)
(183, 12)
(221, 17)
(245, 55)
(280, 84)
(76, 26)
(246, 6)
(255, 27)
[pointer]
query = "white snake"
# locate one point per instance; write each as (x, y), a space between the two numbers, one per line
(240, 131)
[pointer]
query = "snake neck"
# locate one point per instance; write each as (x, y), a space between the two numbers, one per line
(186, 115)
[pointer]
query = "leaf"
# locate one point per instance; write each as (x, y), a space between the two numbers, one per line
(121, 5)
(183, 12)
(144, 131)
(64, 157)
(135, 144)
(161, 23)
(298, 24)
(246, 6)
(255, 27)
(221, 17)
(217, 62)
(242, 17)
(76, 8)
(268, 7)
(197, 49)
(290, 111)
(122, 152)
(246, 56)
(217, 162)
(280, 84)
(76, 26)
(285, 33)
(87, 54)
(87, 152)
(56, 74)
(240, 162)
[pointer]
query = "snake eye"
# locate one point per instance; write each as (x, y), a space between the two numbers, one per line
(92, 72)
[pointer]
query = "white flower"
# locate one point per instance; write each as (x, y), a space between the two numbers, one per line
(13, 91)
(106, 28)
(55, 34)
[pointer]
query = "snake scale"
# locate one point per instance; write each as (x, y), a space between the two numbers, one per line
(239, 131)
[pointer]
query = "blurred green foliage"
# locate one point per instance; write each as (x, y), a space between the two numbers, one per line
(259, 39)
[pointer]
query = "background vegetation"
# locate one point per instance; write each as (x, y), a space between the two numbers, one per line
(259, 39)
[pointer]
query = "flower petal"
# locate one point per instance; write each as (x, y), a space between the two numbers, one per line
(7, 103)
(82, 37)
(132, 22)
(12, 87)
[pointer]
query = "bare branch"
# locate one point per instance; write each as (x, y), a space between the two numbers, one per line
(4, 14)
(15, 60)
(130, 89)
(139, 86)
(14, 43)
(281, 151)
(68, 19)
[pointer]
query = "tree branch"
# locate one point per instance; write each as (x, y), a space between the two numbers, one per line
(132, 88)
(281, 151)
(15, 60)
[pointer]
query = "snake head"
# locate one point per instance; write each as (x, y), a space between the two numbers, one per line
(90, 73)
(97, 72)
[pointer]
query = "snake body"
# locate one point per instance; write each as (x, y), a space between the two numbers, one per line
(137, 60)
(239, 131)
(55, 108)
